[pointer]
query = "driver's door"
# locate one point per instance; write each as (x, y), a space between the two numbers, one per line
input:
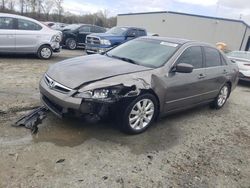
(82, 33)
(186, 89)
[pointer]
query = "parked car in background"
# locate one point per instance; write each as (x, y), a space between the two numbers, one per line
(75, 35)
(139, 80)
(242, 59)
(59, 26)
(99, 43)
(19, 34)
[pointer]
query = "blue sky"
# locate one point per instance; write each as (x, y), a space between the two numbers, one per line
(235, 9)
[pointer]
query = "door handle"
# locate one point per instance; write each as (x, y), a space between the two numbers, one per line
(224, 71)
(201, 76)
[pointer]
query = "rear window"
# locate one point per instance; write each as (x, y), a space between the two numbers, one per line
(212, 57)
(6, 23)
(28, 25)
(141, 33)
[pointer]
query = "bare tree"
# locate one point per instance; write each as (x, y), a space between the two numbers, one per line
(11, 5)
(59, 9)
(46, 7)
(3, 4)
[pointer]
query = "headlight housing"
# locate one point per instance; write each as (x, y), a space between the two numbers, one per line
(105, 42)
(103, 93)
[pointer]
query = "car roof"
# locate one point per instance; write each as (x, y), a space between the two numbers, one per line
(20, 17)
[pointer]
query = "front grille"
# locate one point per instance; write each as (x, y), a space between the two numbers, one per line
(55, 85)
(92, 40)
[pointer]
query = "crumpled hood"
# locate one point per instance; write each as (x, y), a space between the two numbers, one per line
(77, 71)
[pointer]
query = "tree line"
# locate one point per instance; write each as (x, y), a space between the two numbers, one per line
(52, 10)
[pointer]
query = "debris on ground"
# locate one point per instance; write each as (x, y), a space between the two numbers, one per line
(60, 161)
(32, 119)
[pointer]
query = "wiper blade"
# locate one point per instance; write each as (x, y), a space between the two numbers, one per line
(126, 59)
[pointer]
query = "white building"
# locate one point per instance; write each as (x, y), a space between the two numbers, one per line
(235, 33)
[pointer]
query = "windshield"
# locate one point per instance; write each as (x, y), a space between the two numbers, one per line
(117, 31)
(243, 55)
(145, 52)
(72, 27)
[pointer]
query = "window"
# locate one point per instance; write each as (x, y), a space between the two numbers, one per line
(6, 23)
(28, 25)
(141, 33)
(84, 29)
(132, 32)
(96, 29)
(192, 56)
(212, 57)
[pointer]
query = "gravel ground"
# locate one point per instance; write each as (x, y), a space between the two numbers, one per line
(195, 148)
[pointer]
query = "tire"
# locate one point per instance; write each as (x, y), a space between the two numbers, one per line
(222, 97)
(71, 44)
(136, 121)
(45, 52)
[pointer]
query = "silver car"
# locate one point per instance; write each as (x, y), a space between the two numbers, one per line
(19, 34)
(242, 59)
(140, 80)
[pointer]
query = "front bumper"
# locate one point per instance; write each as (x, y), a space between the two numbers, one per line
(96, 49)
(55, 46)
(62, 104)
(244, 75)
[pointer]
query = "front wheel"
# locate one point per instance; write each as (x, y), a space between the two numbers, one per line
(44, 52)
(222, 97)
(139, 114)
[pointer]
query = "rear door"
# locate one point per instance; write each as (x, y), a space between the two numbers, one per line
(216, 71)
(186, 89)
(82, 33)
(27, 36)
(7, 34)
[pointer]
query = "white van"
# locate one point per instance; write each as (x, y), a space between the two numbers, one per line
(19, 34)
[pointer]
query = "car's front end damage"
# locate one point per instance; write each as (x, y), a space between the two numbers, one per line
(95, 99)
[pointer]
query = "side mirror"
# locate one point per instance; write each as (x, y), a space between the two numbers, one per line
(183, 68)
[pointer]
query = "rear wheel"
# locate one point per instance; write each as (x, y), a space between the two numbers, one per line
(222, 97)
(139, 114)
(71, 44)
(44, 52)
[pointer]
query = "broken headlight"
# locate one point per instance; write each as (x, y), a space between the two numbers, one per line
(98, 93)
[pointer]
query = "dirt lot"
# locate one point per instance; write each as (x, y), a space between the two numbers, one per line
(195, 148)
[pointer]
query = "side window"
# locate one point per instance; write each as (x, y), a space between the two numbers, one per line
(223, 60)
(212, 57)
(84, 29)
(192, 56)
(28, 25)
(132, 32)
(141, 33)
(6, 23)
(98, 29)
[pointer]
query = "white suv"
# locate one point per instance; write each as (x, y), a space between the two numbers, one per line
(19, 34)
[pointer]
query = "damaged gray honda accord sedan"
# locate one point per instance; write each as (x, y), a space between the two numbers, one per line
(140, 80)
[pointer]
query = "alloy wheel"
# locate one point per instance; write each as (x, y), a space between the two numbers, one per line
(141, 114)
(222, 96)
(46, 52)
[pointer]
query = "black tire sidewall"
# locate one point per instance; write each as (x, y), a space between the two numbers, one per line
(40, 49)
(127, 109)
(68, 41)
